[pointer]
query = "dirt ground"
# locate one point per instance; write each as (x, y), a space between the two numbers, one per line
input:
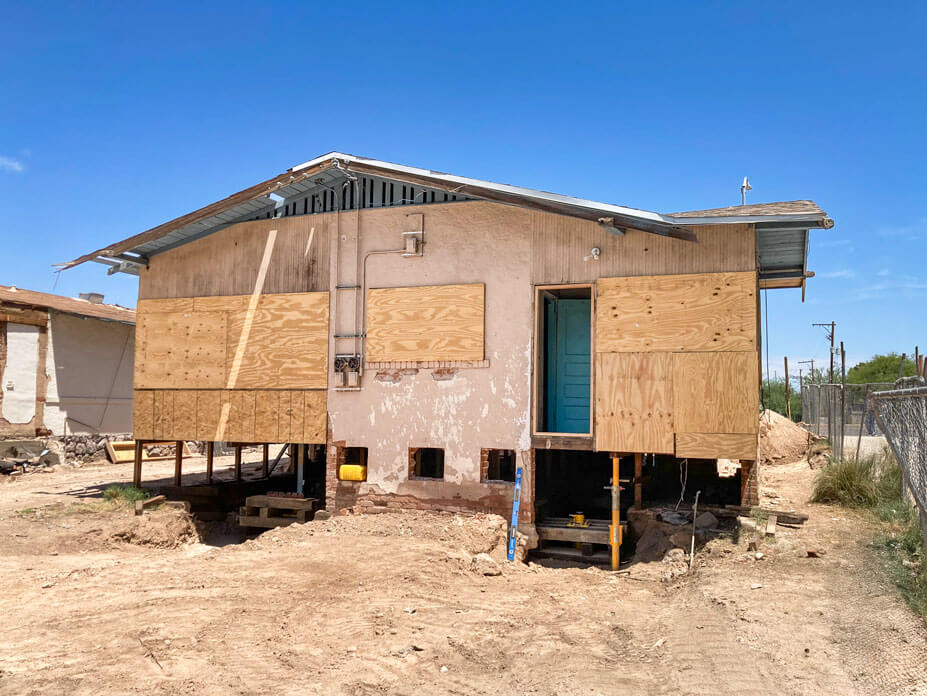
(96, 601)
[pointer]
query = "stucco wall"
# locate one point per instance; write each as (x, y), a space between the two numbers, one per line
(89, 365)
(476, 407)
(19, 372)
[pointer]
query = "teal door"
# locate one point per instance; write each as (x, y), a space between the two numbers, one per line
(567, 365)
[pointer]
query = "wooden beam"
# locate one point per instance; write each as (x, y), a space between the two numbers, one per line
(137, 469)
(638, 473)
(264, 458)
(178, 461)
(238, 462)
(210, 449)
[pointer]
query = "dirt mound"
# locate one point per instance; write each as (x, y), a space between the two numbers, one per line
(781, 440)
(472, 534)
(163, 529)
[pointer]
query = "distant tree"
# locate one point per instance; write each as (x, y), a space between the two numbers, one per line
(879, 368)
(773, 395)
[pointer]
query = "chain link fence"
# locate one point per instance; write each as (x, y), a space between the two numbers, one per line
(902, 416)
(835, 412)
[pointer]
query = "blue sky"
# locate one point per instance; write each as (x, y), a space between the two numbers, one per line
(115, 117)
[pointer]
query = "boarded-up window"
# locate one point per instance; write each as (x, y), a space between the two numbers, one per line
(436, 322)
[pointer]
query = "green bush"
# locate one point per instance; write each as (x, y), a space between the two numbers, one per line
(773, 393)
(125, 493)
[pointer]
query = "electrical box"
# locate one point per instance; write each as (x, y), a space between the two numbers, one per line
(413, 242)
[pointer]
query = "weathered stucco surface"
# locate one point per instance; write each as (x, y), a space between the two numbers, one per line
(89, 365)
(460, 411)
(18, 380)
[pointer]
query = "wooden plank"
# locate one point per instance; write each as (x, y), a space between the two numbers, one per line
(315, 417)
(163, 414)
(143, 415)
(29, 317)
(634, 402)
(771, 523)
(282, 343)
(281, 502)
(715, 392)
(716, 445)
(184, 426)
(693, 312)
(587, 535)
(435, 322)
(266, 416)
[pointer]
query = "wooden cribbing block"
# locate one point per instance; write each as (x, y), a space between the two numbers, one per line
(141, 505)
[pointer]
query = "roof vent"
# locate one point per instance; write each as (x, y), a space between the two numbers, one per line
(92, 297)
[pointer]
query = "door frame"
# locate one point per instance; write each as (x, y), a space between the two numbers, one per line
(537, 372)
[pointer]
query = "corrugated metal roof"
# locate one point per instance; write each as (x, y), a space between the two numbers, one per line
(331, 170)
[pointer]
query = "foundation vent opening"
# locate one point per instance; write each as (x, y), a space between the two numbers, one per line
(497, 465)
(426, 463)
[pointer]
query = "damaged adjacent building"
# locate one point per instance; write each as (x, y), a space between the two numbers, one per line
(66, 364)
(428, 335)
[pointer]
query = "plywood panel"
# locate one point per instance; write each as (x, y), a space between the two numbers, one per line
(241, 416)
(284, 430)
(700, 312)
(208, 411)
(266, 416)
(717, 445)
(184, 425)
(715, 392)
(634, 402)
(296, 413)
(234, 303)
(170, 305)
(315, 415)
(282, 343)
(143, 415)
(163, 414)
(180, 350)
(436, 322)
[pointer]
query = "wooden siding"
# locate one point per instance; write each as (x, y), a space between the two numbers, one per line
(435, 322)
(270, 342)
(228, 262)
(561, 247)
(231, 415)
(701, 312)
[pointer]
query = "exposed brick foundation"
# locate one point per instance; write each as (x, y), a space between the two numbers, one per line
(749, 483)
(358, 496)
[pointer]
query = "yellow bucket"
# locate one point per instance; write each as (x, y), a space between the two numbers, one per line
(352, 472)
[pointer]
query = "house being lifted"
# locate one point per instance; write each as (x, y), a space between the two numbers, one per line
(430, 334)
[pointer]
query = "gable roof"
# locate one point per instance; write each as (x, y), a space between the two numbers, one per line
(68, 305)
(335, 168)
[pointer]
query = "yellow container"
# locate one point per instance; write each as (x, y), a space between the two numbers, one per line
(352, 472)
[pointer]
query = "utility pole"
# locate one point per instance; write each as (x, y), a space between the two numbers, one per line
(829, 332)
(805, 362)
(788, 402)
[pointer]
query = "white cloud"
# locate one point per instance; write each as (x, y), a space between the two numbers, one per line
(907, 287)
(8, 164)
(883, 272)
(912, 231)
(842, 273)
